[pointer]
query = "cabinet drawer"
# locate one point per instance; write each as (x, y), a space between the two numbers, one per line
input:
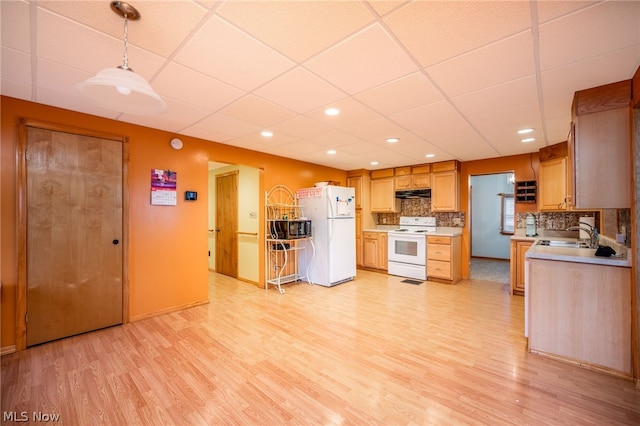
(370, 235)
(439, 252)
(435, 239)
(439, 269)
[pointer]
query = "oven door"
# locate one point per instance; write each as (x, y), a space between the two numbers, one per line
(407, 248)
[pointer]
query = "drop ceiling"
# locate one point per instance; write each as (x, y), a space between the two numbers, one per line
(455, 79)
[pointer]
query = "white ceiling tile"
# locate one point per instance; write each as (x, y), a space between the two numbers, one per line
(367, 59)
(503, 96)
(189, 86)
(377, 130)
(508, 59)
(16, 66)
(223, 52)
(15, 25)
(398, 95)
(609, 68)
(282, 25)
(222, 124)
(300, 91)
(161, 27)
(548, 10)
(206, 134)
(436, 31)
(79, 47)
(606, 27)
(252, 109)
(334, 138)
(15, 89)
(301, 127)
(351, 112)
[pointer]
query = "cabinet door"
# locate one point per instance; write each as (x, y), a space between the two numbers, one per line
(444, 191)
(552, 193)
(521, 249)
(382, 250)
(403, 182)
(602, 165)
(421, 181)
(383, 196)
(370, 251)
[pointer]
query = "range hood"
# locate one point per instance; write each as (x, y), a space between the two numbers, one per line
(414, 193)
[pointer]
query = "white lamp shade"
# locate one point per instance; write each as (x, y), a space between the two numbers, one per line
(122, 90)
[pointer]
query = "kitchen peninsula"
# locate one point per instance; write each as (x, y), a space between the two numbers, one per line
(579, 306)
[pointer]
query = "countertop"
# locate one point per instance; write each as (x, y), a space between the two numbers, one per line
(442, 231)
(580, 255)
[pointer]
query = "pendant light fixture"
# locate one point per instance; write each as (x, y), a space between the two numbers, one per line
(120, 89)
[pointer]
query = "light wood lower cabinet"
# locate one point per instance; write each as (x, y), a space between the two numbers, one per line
(444, 258)
(374, 250)
(581, 313)
(516, 265)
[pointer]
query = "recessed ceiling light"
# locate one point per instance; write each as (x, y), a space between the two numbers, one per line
(528, 140)
(392, 140)
(266, 133)
(332, 111)
(331, 151)
(374, 163)
(525, 131)
(430, 155)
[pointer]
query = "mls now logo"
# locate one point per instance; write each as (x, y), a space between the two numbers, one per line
(23, 416)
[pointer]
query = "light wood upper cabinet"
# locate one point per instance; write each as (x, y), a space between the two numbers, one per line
(445, 193)
(413, 177)
(355, 182)
(383, 196)
(602, 159)
(600, 147)
(552, 185)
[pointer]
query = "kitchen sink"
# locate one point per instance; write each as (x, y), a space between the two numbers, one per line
(563, 243)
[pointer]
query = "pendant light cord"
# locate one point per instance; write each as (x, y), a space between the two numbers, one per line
(125, 57)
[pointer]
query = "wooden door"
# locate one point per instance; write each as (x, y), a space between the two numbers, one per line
(74, 234)
(227, 224)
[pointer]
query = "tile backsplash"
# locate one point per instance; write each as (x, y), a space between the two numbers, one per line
(421, 207)
(609, 223)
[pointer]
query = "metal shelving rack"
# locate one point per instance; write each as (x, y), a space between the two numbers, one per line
(282, 255)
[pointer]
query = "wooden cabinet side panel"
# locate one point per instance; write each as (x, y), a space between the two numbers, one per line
(582, 313)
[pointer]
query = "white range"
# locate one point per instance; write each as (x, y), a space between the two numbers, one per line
(407, 251)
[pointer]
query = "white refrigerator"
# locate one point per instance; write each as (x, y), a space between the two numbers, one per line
(330, 256)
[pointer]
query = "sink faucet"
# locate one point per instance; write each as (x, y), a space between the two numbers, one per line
(592, 231)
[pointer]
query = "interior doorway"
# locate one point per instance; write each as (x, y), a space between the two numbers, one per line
(491, 226)
(248, 220)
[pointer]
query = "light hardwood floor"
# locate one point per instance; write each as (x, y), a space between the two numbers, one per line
(372, 351)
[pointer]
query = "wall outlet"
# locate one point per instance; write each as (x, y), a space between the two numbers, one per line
(456, 221)
(384, 220)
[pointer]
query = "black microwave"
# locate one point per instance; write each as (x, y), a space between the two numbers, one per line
(290, 229)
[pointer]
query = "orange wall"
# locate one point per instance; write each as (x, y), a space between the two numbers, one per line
(167, 244)
(522, 165)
